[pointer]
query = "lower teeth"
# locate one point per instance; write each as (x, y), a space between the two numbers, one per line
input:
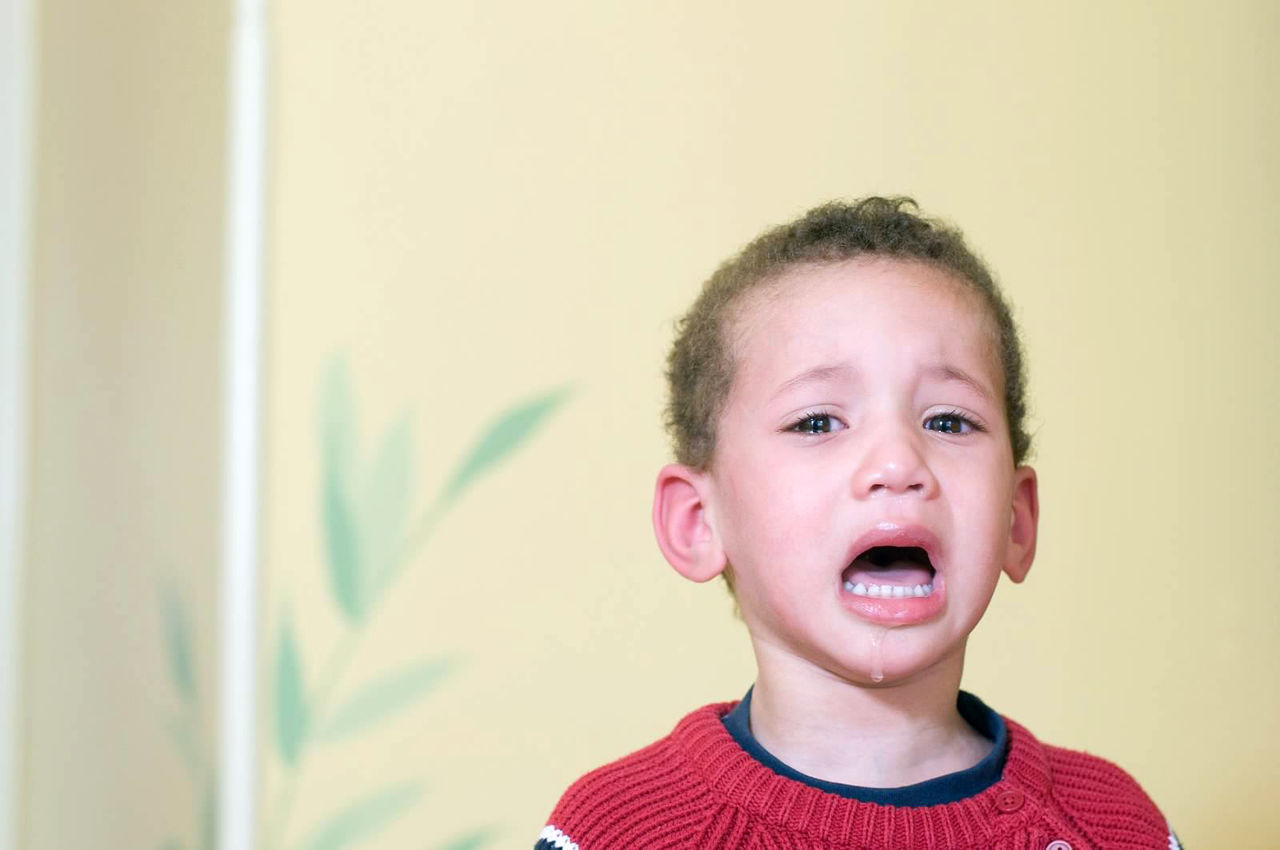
(888, 591)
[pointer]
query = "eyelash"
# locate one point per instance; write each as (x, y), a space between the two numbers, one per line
(954, 414)
(810, 416)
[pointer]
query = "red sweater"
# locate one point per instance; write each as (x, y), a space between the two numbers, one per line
(697, 788)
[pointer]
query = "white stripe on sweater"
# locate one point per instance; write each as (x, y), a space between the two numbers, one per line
(557, 838)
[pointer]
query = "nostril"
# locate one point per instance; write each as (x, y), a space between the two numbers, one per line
(914, 487)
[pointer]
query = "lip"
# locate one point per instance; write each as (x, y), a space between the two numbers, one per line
(893, 534)
(907, 610)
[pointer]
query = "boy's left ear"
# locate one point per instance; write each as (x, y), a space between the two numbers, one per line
(1023, 525)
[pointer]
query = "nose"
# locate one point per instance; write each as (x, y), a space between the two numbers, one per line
(893, 464)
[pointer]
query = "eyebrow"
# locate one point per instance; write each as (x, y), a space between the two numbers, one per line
(814, 375)
(951, 373)
(942, 371)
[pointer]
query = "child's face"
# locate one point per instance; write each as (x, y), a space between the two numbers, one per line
(867, 411)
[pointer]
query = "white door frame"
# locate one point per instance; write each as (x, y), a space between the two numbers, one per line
(242, 424)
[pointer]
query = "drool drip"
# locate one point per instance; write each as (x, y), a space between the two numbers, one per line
(877, 653)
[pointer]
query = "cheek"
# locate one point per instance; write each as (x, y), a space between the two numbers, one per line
(778, 512)
(980, 481)
(761, 519)
(755, 530)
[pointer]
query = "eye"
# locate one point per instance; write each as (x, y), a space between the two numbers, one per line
(817, 423)
(951, 422)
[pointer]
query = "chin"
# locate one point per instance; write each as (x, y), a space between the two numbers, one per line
(894, 660)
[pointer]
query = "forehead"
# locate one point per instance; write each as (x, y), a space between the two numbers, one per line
(886, 316)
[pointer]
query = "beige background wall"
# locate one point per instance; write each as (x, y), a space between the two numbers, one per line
(474, 205)
(125, 303)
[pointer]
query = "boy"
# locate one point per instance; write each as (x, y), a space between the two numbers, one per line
(847, 409)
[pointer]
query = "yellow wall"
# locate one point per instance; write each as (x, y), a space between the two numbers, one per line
(125, 304)
(472, 204)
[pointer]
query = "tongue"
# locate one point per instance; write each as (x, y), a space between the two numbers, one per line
(905, 573)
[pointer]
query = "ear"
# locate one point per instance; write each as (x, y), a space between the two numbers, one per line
(681, 524)
(1024, 524)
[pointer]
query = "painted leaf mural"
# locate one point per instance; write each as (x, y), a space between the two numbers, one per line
(337, 418)
(184, 740)
(363, 818)
(290, 697)
(384, 508)
(209, 816)
(474, 841)
(370, 538)
(502, 437)
(342, 537)
(383, 698)
(177, 641)
(338, 462)
(185, 728)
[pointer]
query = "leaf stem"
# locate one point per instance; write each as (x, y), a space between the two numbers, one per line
(332, 672)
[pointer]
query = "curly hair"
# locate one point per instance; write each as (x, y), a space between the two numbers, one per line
(700, 364)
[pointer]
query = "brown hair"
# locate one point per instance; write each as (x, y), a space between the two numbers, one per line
(700, 366)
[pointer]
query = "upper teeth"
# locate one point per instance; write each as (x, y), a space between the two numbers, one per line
(895, 591)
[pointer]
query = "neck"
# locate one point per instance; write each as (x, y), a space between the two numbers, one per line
(884, 736)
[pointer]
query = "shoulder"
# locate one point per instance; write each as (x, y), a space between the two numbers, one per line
(1077, 773)
(1103, 799)
(647, 792)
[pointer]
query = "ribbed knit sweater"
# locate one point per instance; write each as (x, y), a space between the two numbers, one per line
(698, 788)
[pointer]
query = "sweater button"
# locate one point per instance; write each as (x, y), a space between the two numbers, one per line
(1057, 845)
(1010, 800)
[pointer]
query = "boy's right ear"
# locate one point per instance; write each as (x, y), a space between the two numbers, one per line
(682, 526)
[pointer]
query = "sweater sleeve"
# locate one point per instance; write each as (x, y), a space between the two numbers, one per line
(1105, 801)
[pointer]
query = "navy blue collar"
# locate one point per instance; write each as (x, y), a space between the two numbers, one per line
(948, 788)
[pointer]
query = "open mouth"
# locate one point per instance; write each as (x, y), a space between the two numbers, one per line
(894, 572)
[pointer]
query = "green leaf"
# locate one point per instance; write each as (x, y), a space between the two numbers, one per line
(341, 535)
(177, 640)
(363, 818)
(291, 698)
(384, 508)
(338, 466)
(384, 697)
(502, 437)
(473, 841)
(337, 415)
(180, 729)
(209, 816)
